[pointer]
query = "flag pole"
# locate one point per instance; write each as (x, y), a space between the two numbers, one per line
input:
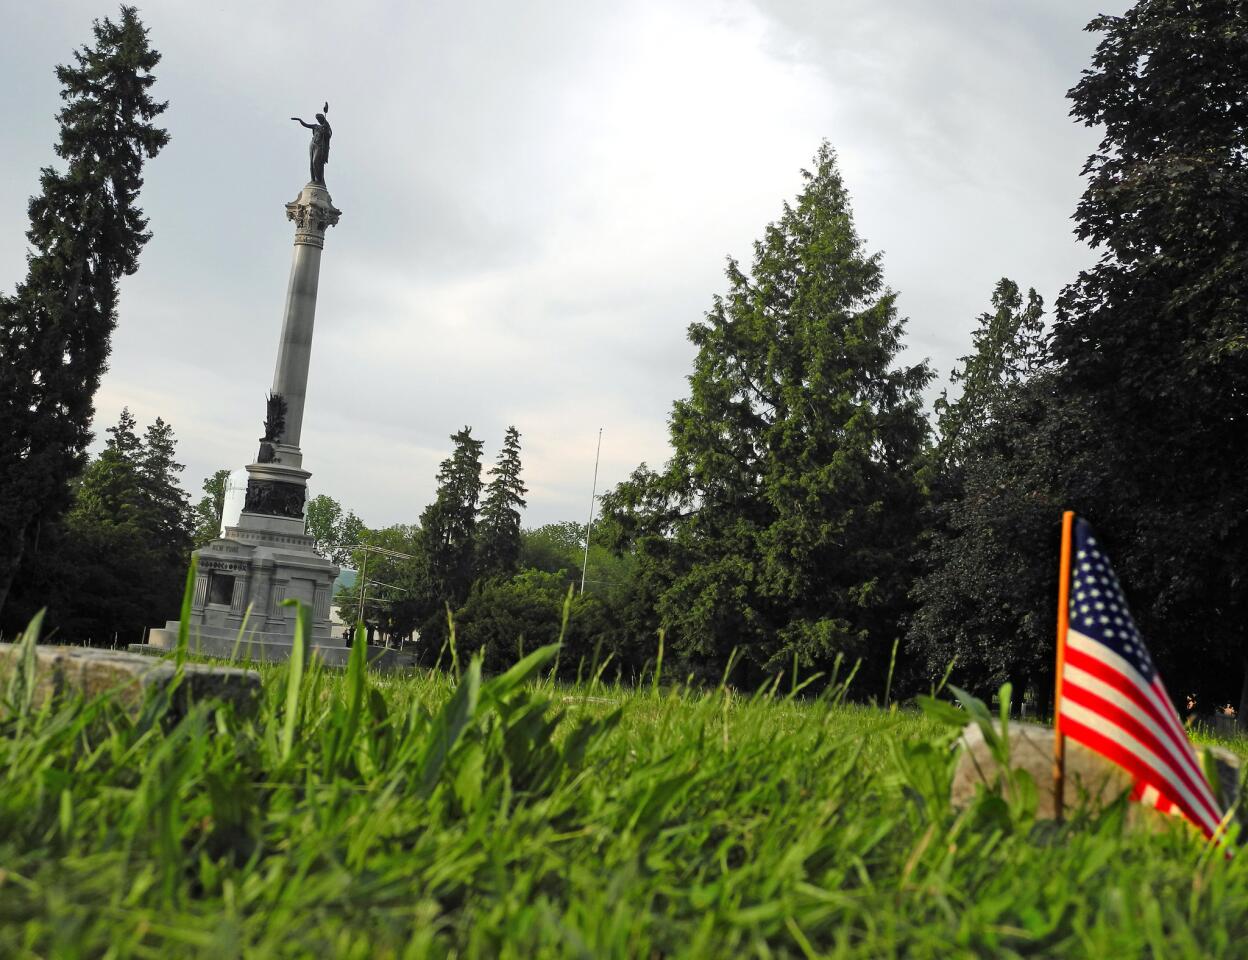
(1063, 625)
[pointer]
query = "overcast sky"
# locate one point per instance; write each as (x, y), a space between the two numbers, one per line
(538, 198)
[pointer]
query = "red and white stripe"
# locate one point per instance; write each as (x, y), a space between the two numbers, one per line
(1110, 708)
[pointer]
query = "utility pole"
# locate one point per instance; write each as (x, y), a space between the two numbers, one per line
(369, 548)
(593, 497)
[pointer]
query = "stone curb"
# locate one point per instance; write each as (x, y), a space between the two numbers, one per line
(128, 677)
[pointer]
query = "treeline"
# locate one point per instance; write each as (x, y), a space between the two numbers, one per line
(116, 559)
(468, 558)
(812, 511)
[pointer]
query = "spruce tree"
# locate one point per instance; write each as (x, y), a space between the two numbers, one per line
(449, 524)
(498, 532)
(86, 232)
(785, 523)
(168, 502)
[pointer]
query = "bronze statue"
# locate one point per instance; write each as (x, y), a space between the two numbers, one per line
(274, 418)
(318, 149)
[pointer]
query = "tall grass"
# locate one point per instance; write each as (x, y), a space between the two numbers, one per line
(423, 814)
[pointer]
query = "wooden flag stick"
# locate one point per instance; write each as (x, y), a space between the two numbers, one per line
(1063, 624)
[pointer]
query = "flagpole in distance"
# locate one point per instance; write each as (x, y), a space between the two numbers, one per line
(1063, 624)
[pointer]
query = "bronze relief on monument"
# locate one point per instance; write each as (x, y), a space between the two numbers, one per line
(276, 498)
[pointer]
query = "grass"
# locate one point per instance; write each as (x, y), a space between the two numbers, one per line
(423, 814)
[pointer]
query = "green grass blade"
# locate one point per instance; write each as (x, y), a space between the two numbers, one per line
(294, 677)
(20, 690)
(498, 688)
(357, 684)
(449, 725)
(184, 622)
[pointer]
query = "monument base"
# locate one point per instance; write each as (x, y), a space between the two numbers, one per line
(242, 581)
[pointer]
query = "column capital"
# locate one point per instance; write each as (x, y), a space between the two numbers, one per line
(313, 212)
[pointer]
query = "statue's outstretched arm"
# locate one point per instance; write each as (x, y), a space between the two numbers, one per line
(310, 126)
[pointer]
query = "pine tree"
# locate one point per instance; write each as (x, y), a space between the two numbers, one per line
(86, 232)
(449, 524)
(498, 533)
(785, 522)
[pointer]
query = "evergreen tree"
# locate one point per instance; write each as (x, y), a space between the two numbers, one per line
(117, 559)
(984, 599)
(168, 504)
(449, 526)
(498, 535)
(785, 523)
(1009, 349)
(86, 232)
(123, 436)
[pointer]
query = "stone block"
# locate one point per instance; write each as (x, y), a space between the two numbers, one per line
(127, 677)
(1091, 781)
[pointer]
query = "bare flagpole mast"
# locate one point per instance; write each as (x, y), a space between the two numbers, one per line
(592, 499)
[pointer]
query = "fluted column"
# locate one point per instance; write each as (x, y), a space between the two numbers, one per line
(313, 213)
(277, 482)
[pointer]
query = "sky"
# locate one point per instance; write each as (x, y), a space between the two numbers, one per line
(538, 199)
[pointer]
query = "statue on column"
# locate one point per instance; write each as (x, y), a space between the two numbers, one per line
(318, 149)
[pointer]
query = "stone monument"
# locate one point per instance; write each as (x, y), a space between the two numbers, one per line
(244, 576)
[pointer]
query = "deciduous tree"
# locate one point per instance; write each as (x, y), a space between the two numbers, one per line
(210, 508)
(1153, 340)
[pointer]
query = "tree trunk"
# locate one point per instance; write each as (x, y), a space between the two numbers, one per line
(10, 561)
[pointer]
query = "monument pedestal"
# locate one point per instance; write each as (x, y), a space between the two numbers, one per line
(242, 579)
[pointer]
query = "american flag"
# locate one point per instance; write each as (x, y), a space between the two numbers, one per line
(1112, 699)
